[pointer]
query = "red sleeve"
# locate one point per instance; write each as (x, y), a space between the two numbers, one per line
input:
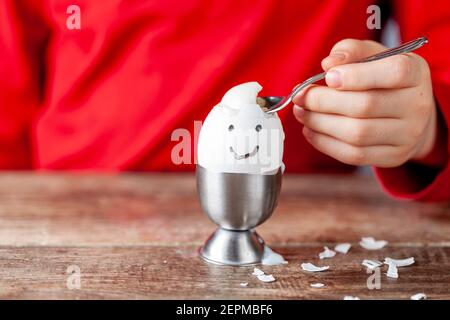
(429, 179)
(22, 41)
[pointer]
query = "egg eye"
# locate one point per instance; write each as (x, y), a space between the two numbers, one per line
(231, 127)
(258, 128)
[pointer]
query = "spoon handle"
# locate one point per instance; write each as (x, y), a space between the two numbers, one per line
(405, 48)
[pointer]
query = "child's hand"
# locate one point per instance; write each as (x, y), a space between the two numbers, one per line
(379, 113)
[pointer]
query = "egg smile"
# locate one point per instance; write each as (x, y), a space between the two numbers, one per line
(245, 156)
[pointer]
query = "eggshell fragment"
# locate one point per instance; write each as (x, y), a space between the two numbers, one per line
(327, 253)
(312, 268)
(419, 296)
(271, 258)
(257, 272)
(351, 298)
(266, 278)
(371, 264)
(392, 271)
(400, 262)
(370, 243)
(342, 247)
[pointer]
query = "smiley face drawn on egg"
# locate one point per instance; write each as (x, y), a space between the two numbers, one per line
(239, 137)
(249, 154)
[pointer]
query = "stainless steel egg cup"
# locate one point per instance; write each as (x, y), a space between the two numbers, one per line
(237, 203)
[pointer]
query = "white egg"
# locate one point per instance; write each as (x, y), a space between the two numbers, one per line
(237, 136)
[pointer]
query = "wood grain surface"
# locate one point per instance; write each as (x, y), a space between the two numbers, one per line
(136, 236)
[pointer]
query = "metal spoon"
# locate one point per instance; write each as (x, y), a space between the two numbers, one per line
(273, 104)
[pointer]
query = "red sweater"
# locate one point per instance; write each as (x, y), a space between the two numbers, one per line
(108, 96)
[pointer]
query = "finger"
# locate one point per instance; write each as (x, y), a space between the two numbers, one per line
(357, 132)
(349, 51)
(380, 156)
(355, 104)
(399, 71)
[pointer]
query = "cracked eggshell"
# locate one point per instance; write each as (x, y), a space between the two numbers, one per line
(237, 136)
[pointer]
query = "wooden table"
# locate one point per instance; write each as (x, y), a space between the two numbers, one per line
(136, 236)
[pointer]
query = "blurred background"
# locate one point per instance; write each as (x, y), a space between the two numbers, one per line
(103, 86)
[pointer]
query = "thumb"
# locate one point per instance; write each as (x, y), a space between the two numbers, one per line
(351, 50)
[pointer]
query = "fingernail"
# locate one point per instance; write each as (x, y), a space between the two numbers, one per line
(338, 55)
(334, 79)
